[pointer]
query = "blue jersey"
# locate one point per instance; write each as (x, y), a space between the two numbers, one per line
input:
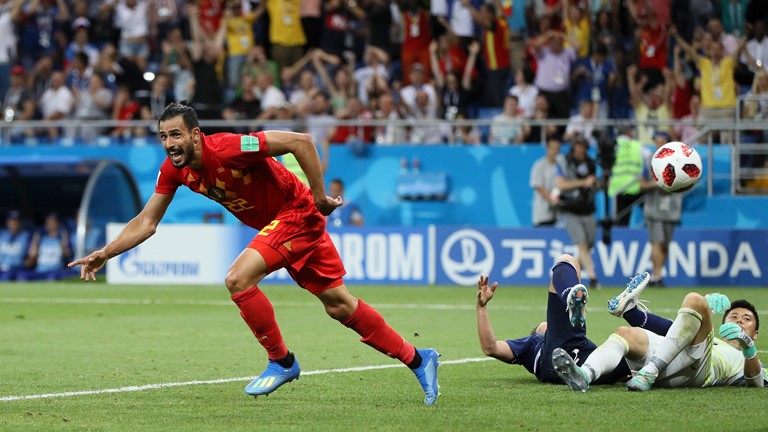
(13, 249)
(50, 255)
(531, 351)
(344, 215)
(527, 352)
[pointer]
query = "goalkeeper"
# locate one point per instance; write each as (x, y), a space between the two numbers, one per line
(689, 355)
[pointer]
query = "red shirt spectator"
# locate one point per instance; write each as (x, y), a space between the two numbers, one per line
(210, 15)
(416, 42)
(653, 47)
(496, 45)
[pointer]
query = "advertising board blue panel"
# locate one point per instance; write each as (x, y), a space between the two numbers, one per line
(525, 256)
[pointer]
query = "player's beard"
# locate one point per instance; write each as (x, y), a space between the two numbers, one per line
(181, 156)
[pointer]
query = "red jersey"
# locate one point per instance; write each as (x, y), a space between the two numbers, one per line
(417, 31)
(238, 173)
(210, 15)
(496, 46)
(653, 48)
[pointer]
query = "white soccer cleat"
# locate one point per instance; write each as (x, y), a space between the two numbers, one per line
(628, 298)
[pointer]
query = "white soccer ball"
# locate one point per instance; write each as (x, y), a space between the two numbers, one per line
(676, 167)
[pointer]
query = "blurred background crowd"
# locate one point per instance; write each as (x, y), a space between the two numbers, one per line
(302, 64)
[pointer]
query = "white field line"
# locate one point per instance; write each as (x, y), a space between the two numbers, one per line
(183, 302)
(215, 381)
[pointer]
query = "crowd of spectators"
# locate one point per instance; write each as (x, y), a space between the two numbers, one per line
(301, 64)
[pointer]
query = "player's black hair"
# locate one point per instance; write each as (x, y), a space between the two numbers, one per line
(743, 304)
(176, 109)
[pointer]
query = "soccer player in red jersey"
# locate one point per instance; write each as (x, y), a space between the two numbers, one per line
(240, 172)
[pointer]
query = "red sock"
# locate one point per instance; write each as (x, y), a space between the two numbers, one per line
(369, 324)
(257, 312)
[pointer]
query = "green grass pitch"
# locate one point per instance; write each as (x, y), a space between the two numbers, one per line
(76, 356)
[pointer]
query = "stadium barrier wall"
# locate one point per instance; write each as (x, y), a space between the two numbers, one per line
(452, 255)
(486, 186)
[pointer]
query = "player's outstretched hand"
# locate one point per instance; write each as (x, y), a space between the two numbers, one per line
(718, 302)
(90, 264)
(327, 205)
(733, 331)
(485, 292)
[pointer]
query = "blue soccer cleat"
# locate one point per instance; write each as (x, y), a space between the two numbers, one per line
(273, 377)
(576, 303)
(427, 374)
(568, 371)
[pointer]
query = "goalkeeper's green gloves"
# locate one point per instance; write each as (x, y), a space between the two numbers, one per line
(733, 331)
(718, 302)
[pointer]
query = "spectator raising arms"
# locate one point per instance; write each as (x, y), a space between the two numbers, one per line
(718, 88)
(455, 92)
(206, 50)
(553, 73)
(415, 47)
(652, 104)
(496, 55)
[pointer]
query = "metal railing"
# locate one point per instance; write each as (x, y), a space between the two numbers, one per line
(13, 133)
(745, 152)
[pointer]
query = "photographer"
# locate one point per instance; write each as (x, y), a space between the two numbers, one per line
(577, 182)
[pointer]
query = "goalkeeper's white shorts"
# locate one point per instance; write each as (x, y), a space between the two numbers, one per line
(689, 369)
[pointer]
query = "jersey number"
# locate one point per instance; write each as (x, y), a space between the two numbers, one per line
(267, 229)
(237, 205)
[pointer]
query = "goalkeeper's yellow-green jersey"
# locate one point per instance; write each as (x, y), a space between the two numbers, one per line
(727, 367)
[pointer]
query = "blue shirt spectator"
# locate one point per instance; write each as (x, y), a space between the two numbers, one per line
(592, 76)
(14, 243)
(41, 21)
(49, 250)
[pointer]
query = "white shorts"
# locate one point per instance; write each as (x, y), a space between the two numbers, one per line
(690, 368)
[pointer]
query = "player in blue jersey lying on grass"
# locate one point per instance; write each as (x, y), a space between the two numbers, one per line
(679, 353)
(565, 327)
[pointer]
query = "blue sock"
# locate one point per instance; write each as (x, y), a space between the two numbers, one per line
(564, 277)
(644, 319)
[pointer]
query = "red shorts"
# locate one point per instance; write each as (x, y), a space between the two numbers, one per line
(298, 241)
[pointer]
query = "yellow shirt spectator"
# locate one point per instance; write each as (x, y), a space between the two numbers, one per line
(240, 34)
(718, 89)
(576, 22)
(579, 32)
(285, 23)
